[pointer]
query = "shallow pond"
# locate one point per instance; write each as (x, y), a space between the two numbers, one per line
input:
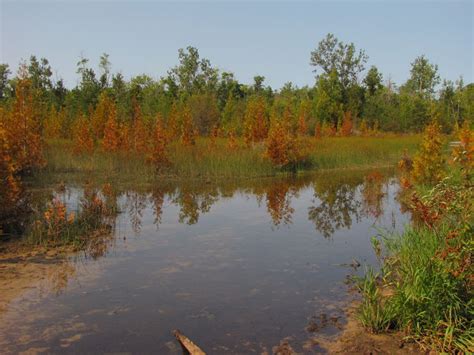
(236, 267)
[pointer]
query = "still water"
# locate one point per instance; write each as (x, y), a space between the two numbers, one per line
(237, 267)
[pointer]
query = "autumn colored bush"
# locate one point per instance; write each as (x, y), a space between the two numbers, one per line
(11, 188)
(173, 123)
(140, 132)
(158, 155)
(428, 164)
(82, 137)
(188, 133)
(463, 154)
(346, 126)
(111, 141)
(255, 121)
(282, 148)
(101, 115)
(23, 129)
(54, 124)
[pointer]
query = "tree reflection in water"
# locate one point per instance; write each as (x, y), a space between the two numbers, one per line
(338, 201)
(335, 205)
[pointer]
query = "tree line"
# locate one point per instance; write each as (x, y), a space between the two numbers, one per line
(196, 94)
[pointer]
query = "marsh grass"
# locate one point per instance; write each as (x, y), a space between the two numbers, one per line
(428, 270)
(427, 301)
(375, 313)
(211, 161)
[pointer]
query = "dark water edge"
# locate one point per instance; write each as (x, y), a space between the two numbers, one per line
(236, 266)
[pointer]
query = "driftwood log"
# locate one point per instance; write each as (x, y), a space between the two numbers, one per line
(187, 344)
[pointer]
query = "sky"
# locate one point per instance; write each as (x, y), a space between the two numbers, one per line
(248, 38)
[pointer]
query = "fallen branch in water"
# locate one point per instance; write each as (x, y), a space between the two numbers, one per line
(187, 344)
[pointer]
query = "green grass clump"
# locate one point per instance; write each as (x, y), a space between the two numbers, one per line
(428, 272)
(374, 313)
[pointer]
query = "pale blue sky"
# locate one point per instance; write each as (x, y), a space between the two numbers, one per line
(270, 38)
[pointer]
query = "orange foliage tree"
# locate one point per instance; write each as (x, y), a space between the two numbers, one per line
(256, 120)
(10, 188)
(188, 131)
(158, 154)
(111, 141)
(173, 126)
(303, 117)
(428, 164)
(140, 133)
(83, 140)
(101, 114)
(53, 124)
(346, 126)
(282, 148)
(24, 129)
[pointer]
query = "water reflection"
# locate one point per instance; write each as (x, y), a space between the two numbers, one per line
(338, 200)
(213, 260)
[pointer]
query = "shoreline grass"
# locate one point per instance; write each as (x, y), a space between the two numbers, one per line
(204, 161)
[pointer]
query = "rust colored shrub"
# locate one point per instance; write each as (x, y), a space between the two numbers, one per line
(83, 141)
(111, 141)
(282, 148)
(188, 132)
(10, 188)
(346, 126)
(158, 154)
(23, 128)
(53, 124)
(101, 114)
(255, 121)
(428, 164)
(140, 133)
(173, 124)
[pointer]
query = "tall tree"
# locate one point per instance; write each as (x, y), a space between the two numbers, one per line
(332, 54)
(373, 80)
(423, 77)
(193, 74)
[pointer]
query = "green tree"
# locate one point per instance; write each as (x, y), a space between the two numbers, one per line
(373, 80)
(423, 77)
(332, 54)
(193, 74)
(328, 104)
